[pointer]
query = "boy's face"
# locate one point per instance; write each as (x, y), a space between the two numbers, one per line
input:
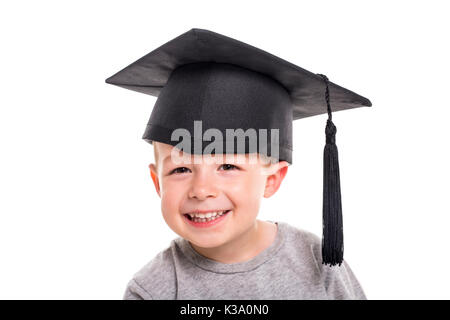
(212, 183)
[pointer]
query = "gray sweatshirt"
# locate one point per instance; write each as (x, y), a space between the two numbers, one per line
(290, 268)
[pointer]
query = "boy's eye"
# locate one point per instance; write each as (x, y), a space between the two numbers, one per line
(228, 166)
(179, 170)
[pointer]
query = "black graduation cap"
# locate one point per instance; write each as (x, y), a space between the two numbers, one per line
(225, 83)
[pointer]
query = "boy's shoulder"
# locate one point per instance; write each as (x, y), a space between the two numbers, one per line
(303, 240)
(157, 278)
(305, 236)
(339, 281)
(303, 247)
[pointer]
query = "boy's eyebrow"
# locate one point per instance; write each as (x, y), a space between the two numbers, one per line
(167, 158)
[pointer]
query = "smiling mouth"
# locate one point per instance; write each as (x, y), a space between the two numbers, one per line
(206, 217)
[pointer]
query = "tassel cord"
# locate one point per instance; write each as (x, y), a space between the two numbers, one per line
(333, 240)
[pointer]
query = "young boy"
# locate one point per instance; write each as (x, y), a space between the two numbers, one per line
(211, 199)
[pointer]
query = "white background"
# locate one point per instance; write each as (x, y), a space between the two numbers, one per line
(78, 211)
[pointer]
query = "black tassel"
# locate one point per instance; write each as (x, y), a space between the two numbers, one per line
(333, 236)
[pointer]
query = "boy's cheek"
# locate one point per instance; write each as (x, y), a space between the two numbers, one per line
(248, 186)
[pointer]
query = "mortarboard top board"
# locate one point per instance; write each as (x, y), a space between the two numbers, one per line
(225, 83)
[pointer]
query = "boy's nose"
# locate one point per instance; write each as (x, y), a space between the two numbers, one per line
(202, 187)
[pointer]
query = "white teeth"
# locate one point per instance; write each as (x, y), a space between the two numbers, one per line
(207, 215)
(201, 217)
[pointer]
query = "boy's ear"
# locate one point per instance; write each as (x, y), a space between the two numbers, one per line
(154, 175)
(274, 180)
